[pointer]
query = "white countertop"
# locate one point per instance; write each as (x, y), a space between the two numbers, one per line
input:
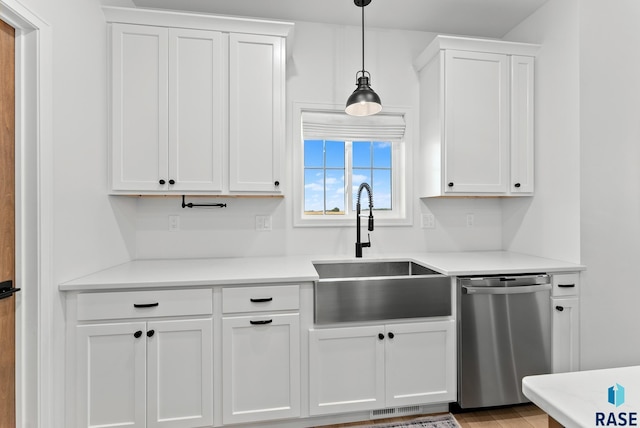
(265, 270)
(573, 399)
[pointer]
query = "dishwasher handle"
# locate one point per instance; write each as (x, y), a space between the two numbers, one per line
(506, 290)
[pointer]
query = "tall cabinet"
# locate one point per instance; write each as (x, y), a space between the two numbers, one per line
(197, 103)
(476, 117)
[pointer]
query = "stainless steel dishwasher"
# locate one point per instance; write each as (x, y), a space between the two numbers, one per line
(504, 326)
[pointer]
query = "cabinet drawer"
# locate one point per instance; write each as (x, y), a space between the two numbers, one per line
(144, 304)
(566, 284)
(257, 299)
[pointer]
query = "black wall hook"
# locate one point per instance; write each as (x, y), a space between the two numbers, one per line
(192, 205)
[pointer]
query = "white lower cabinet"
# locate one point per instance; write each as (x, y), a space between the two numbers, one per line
(565, 322)
(141, 359)
(260, 353)
(373, 367)
(565, 335)
(145, 374)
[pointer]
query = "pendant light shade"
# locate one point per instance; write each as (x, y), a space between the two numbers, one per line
(363, 101)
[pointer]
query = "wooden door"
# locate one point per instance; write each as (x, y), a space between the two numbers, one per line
(7, 225)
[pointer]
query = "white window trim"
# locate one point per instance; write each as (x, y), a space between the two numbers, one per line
(402, 173)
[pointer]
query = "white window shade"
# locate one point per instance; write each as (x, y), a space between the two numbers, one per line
(340, 126)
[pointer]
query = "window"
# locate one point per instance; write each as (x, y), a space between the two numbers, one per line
(327, 173)
(336, 154)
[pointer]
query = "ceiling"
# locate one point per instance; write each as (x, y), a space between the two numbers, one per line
(481, 18)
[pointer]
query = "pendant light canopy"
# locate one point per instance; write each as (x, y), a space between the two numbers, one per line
(363, 101)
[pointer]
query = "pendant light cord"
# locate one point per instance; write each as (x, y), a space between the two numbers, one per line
(363, 40)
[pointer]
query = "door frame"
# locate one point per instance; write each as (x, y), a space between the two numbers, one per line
(34, 215)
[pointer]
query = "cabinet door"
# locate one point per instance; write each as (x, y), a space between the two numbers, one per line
(139, 107)
(565, 335)
(261, 368)
(197, 96)
(346, 369)
(420, 363)
(110, 375)
(180, 373)
(522, 135)
(476, 122)
(256, 112)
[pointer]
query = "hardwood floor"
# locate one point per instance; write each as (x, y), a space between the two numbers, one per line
(522, 416)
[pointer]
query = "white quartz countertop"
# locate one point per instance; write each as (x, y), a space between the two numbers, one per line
(265, 270)
(575, 399)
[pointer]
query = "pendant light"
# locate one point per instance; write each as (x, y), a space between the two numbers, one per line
(363, 101)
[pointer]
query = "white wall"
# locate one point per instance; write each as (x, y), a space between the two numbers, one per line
(90, 231)
(610, 196)
(321, 69)
(548, 224)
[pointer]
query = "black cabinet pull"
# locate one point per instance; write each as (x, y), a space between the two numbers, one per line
(162, 181)
(380, 336)
(137, 334)
(450, 184)
(172, 182)
(276, 183)
(261, 300)
(260, 322)
(150, 333)
(566, 285)
(516, 185)
(7, 289)
(391, 335)
(559, 308)
(146, 305)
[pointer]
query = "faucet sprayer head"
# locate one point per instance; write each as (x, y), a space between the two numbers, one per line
(370, 192)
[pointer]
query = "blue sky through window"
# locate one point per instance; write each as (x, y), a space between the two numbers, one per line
(325, 171)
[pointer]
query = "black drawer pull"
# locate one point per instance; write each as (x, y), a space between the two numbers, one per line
(137, 334)
(146, 305)
(261, 300)
(566, 285)
(391, 335)
(380, 336)
(560, 308)
(150, 333)
(260, 322)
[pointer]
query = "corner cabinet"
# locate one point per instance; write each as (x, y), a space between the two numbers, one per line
(197, 103)
(476, 117)
(376, 367)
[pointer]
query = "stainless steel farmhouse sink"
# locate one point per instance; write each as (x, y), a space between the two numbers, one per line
(379, 290)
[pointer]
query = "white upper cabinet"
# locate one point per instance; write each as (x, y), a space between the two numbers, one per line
(476, 118)
(197, 97)
(197, 103)
(139, 102)
(256, 110)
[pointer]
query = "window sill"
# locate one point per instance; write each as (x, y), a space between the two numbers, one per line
(351, 222)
